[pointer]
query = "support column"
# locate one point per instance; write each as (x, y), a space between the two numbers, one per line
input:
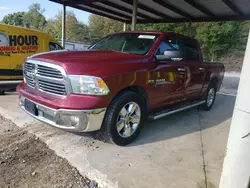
(63, 25)
(124, 26)
(189, 29)
(134, 15)
(236, 168)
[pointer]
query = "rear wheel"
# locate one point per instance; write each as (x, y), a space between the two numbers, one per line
(209, 97)
(125, 118)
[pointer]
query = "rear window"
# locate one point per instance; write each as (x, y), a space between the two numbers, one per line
(191, 50)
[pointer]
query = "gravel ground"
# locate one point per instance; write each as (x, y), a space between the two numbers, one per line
(26, 162)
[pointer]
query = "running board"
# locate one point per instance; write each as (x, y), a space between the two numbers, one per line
(171, 111)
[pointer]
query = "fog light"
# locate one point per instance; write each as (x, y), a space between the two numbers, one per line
(77, 121)
(62, 119)
(74, 120)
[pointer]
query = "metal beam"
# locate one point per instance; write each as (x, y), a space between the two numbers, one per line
(190, 29)
(120, 14)
(174, 9)
(148, 9)
(63, 25)
(231, 5)
(200, 7)
(124, 27)
(200, 19)
(134, 15)
(78, 1)
(130, 11)
(96, 12)
(147, 18)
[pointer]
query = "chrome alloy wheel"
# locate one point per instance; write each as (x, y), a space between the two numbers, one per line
(210, 97)
(128, 119)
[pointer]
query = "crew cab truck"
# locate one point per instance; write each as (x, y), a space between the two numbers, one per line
(118, 83)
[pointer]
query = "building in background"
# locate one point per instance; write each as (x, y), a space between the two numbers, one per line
(72, 45)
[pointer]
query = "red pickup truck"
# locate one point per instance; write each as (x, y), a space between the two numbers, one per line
(118, 83)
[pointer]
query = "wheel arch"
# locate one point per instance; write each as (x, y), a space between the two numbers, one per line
(136, 89)
(214, 80)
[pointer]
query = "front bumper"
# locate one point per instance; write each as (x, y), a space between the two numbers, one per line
(70, 120)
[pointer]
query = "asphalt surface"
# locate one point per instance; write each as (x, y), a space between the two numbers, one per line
(183, 150)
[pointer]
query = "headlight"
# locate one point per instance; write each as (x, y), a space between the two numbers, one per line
(88, 85)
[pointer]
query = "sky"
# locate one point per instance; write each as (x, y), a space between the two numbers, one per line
(51, 9)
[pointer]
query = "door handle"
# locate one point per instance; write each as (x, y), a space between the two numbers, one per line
(181, 69)
(201, 69)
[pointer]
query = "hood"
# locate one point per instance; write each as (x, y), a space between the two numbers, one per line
(92, 62)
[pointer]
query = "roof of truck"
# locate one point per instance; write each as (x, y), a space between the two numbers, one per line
(157, 32)
(165, 11)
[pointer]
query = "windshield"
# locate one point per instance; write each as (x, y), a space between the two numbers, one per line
(133, 43)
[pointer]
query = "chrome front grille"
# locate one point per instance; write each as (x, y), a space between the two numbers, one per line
(29, 68)
(46, 77)
(49, 72)
(51, 87)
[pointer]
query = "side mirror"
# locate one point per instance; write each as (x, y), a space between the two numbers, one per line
(173, 55)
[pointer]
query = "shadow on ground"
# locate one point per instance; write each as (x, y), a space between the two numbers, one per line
(187, 122)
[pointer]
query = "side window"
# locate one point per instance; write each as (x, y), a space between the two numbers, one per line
(170, 43)
(53, 46)
(191, 50)
(4, 40)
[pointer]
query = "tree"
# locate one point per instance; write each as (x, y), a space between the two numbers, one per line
(34, 17)
(218, 38)
(101, 26)
(16, 19)
(54, 26)
(181, 28)
(79, 32)
(52, 29)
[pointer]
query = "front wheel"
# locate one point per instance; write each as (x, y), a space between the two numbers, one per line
(209, 97)
(125, 118)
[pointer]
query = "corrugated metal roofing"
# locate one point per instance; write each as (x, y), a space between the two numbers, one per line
(157, 11)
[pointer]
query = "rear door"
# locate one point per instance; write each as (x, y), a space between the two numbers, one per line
(195, 68)
(4, 56)
(169, 76)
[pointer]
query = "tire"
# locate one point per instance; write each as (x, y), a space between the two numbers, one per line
(209, 97)
(118, 114)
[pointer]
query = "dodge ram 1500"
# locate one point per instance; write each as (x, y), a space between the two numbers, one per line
(118, 83)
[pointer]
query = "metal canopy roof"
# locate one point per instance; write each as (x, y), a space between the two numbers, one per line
(162, 11)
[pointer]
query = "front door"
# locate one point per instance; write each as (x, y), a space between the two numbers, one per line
(169, 76)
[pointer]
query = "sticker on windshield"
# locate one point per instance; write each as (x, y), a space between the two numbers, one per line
(146, 37)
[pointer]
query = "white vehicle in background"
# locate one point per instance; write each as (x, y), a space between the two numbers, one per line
(73, 45)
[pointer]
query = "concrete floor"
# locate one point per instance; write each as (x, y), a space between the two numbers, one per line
(185, 150)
